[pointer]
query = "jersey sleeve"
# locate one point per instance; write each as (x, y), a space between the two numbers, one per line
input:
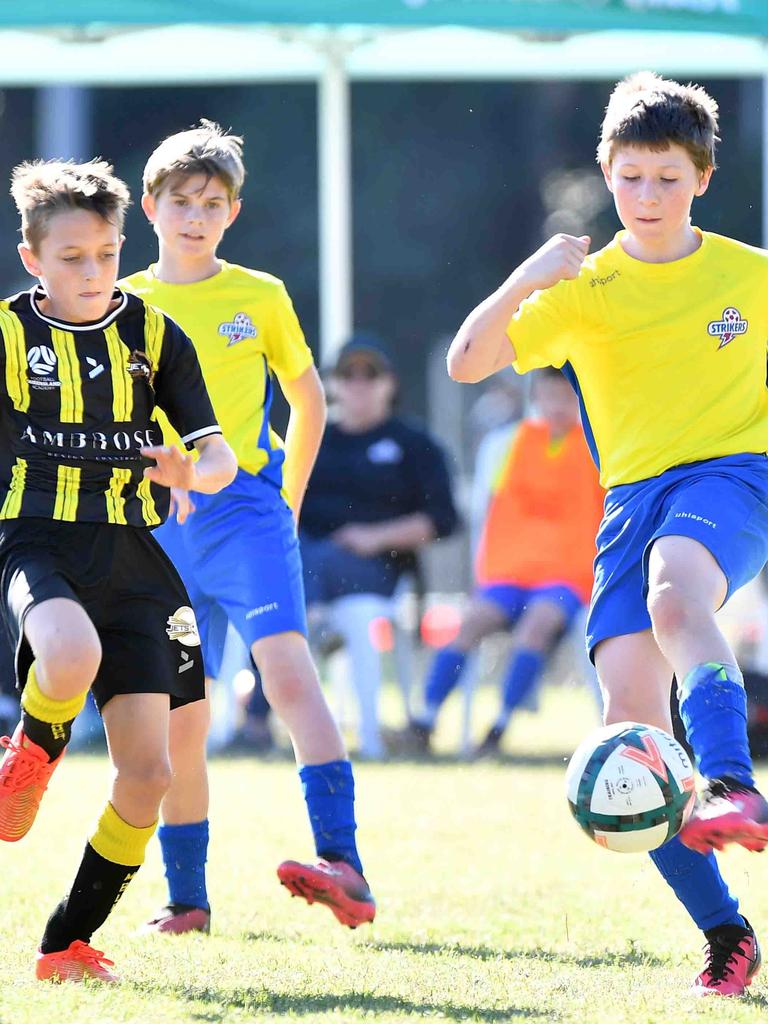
(287, 352)
(542, 329)
(180, 390)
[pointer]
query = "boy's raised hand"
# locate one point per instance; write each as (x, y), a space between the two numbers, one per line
(172, 467)
(559, 258)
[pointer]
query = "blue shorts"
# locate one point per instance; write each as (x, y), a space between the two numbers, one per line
(722, 503)
(330, 571)
(239, 558)
(513, 600)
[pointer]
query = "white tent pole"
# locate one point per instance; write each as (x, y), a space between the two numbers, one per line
(335, 200)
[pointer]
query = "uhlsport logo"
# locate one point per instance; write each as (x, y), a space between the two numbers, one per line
(41, 360)
(726, 329)
(183, 627)
(238, 328)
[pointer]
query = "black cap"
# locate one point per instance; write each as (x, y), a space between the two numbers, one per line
(365, 343)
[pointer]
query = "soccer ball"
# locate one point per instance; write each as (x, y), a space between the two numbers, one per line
(630, 787)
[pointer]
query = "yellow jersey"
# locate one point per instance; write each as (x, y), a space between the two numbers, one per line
(244, 328)
(668, 359)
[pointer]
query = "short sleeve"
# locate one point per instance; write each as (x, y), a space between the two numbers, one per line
(287, 352)
(180, 390)
(542, 329)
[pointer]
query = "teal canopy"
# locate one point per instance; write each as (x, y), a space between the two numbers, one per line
(740, 17)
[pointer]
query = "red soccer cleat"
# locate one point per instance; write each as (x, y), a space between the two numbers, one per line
(25, 772)
(727, 812)
(76, 963)
(178, 919)
(733, 960)
(335, 884)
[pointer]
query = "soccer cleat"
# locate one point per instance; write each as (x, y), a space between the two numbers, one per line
(25, 772)
(727, 812)
(490, 747)
(178, 919)
(733, 960)
(76, 963)
(335, 884)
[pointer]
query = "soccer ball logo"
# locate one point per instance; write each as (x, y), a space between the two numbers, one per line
(728, 327)
(41, 360)
(239, 327)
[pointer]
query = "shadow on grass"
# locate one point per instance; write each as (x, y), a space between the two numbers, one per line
(259, 1001)
(633, 955)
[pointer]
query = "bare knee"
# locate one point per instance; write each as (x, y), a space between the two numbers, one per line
(672, 610)
(67, 665)
(287, 671)
(144, 782)
(539, 627)
(480, 620)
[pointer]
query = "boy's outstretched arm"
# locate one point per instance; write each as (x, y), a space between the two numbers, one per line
(216, 467)
(306, 399)
(482, 346)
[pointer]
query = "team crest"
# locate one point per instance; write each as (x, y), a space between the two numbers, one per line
(182, 626)
(41, 361)
(238, 328)
(726, 329)
(139, 366)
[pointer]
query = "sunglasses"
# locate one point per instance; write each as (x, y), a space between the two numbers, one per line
(359, 371)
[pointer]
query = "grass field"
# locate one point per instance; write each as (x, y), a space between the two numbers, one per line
(492, 906)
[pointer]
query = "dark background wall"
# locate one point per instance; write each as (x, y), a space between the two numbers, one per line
(453, 185)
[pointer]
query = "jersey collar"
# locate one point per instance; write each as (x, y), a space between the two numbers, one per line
(37, 293)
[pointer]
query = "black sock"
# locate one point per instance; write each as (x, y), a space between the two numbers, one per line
(52, 738)
(98, 886)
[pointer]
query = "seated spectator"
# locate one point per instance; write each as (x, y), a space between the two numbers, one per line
(534, 561)
(379, 492)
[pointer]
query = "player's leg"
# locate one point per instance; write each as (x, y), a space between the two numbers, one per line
(292, 687)
(545, 616)
(636, 680)
(59, 656)
(487, 612)
(714, 538)
(137, 732)
(184, 832)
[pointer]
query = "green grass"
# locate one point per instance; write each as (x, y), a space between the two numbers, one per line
(492, 905)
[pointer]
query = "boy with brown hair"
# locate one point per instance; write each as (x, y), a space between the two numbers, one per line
(663, 335)
(239, 555)
(89, 598)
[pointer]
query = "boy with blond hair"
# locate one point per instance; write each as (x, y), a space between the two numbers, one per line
(663, 335)
(239, 555)
(89, 598)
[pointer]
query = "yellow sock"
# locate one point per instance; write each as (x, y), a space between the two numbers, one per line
(46, 709)
(117, 841)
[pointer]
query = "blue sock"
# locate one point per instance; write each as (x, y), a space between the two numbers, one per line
(185, 851)
(713, 707)
(524, 669)
(698, 884)
(444, 673)
(329, 790)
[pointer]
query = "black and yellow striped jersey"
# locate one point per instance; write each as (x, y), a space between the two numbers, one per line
(77, 403)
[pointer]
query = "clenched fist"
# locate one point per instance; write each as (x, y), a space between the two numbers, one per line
(558, 259)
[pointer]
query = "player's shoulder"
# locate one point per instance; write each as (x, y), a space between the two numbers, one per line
(720, 247)
(265, 283)
(19, 302)
(137, 282)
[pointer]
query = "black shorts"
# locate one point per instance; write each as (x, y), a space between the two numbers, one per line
(129, 589)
